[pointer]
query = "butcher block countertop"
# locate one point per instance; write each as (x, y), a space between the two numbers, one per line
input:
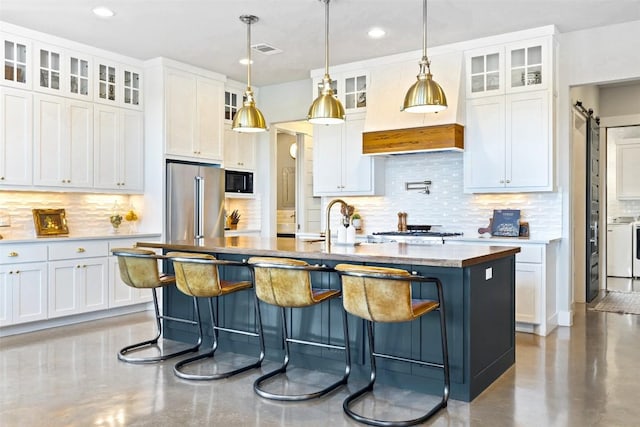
(456, 256)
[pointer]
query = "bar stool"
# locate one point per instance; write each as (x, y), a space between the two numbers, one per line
(378, 294)
(197, 276)
(286, 283)
(139, 269)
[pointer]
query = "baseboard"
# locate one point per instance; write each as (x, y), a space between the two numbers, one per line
(565, 318)
(24, 328)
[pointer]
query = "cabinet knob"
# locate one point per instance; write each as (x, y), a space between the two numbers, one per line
(11, 272)
(80, 250)
(17, 271)
(13, 254)
(502, 181)
(508, 181)
(78, 266)
(1, 178)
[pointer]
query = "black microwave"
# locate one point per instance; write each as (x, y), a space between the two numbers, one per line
(238, 182)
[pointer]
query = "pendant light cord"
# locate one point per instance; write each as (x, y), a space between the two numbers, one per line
(249, 54)
(326, 37)
(424, 29)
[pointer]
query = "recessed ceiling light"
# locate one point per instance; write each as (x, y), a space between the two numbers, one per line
(245, 61)
(103, 12)
(376, 33)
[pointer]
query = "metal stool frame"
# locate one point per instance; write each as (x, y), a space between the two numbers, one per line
(122, 354)
(177, 369)
(372, 356)
(286, 339)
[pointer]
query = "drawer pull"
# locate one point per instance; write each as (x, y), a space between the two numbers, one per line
(13, 254)
(80, 250)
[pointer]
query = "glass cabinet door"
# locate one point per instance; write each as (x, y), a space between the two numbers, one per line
(527, 65)
(107, 82)
(355, 92)
(230, 105)
(16, 63)
(78, 76)
(131, 88)
(484, 72)
(49, 69)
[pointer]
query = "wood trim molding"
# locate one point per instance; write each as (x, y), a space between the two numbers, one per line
(413, 140)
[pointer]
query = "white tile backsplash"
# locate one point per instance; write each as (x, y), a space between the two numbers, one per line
(446, 205)
(86, 213)
(249, 209)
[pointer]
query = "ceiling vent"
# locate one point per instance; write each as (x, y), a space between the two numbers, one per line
(266, 49)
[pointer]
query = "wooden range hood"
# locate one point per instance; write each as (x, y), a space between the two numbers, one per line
(414, 140)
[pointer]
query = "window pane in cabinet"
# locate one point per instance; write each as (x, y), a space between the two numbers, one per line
(477, 83)
(350, 101)
(362, 99)
(477, 64)
(84, 68)
(112, 93)
(55, 61)
(84, 87)
(534, 75)
(8, 71)
(103, 91)
(44, 58)
(127, 96)
(21, 74)
(112, 75)
(8, 50)
(74, 65)
(492, 62)
(73, 83)
(136, 98)
(517, 58)
(136, 80)
(55, 80)
(22, 53)
(103, 73)
(349, 85)
(44, 78)
(234, 100)
(362, 83)
(127, 78)
(517, 77)
(227, 113)
(493, 81)
(227, 97)
(534, 55)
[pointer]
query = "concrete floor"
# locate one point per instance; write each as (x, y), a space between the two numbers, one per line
(581, 376)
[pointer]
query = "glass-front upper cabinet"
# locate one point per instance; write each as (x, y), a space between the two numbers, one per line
(527, 65)
(485, 75)
(118, 84)
(79, 76)
(49, 62)
(355, 92)
(16, 54)
(231, 105)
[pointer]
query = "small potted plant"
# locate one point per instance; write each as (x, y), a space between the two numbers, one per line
(356, 220)
(234, 219)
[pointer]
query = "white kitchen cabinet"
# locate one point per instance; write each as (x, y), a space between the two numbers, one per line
(118, 149)
(117, 84)
(528, 288)
(16, 137)
(63, 142)
(339, 167)
(17, 62)
(485, 71)
(63, 72)
(528, 65)
(239, 150)
(23, 283)
(508, 143)
(194, 116)
(627, 169)
(78, 277)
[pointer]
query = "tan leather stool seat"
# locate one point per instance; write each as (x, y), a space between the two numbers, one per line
(139, 269)
(286, 283)
(382, 294)
(197, 276)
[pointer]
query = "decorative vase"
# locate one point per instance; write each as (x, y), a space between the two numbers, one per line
(116, 220)
(233, 226)
(357, 223)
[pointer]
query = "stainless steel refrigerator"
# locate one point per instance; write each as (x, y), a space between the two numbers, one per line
(195, 201)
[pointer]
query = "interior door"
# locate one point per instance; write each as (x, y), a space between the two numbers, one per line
(593, 208)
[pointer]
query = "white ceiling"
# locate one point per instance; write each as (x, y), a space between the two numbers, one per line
(208, 33)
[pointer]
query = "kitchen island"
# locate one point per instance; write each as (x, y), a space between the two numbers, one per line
(479, 292)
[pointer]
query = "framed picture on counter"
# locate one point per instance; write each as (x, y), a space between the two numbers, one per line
(506, 223)
(50, 222)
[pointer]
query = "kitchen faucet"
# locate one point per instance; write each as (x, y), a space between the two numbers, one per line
(327, 234)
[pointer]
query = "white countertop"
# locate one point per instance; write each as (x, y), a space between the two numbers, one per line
(76, 236)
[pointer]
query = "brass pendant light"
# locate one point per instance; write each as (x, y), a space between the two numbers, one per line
(249, 118)
(326, 108)
(425, 96)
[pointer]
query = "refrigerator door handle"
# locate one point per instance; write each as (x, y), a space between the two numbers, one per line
(198, 217)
